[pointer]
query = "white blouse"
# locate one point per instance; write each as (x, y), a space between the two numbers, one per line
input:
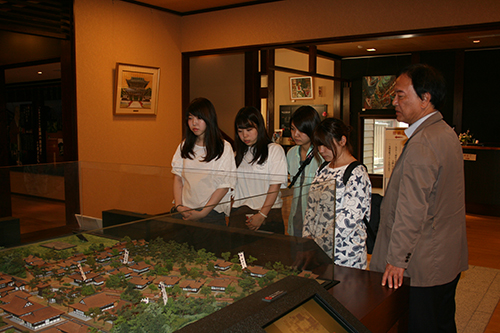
(254, 179)
(201, 179)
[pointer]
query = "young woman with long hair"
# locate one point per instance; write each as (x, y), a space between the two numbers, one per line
(328, 197)
(303, 161)
(262, 171)
(203, 167)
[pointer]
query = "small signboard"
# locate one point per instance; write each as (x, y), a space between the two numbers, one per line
(395, 139)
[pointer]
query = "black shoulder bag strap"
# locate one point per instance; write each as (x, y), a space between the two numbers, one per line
(306, 162)
(345, 179)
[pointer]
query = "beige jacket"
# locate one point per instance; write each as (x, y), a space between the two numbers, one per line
(422, 221)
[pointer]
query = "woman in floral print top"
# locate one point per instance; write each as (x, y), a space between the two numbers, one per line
(329, 198)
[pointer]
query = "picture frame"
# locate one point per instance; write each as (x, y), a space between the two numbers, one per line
(301, 87)
(137, 89)
(378, 92)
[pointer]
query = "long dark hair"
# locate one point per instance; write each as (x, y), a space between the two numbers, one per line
(332, 129)
(202, 108)
(249, 117)
(306, 119)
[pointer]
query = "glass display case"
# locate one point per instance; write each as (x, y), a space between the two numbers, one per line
(113, 270)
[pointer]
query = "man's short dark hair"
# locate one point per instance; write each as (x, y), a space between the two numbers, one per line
(427, 79)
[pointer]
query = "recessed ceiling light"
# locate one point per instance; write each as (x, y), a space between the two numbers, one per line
(360, 46)
(371, 50)
(476, 41)
(40, 73)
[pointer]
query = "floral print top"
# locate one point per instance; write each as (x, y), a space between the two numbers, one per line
(329, 198)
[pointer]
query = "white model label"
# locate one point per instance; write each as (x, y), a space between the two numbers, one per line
(242, 260)
(125, 257)
(84, 277)
(163, 293)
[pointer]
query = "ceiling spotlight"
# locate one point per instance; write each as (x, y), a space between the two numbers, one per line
(371, 50)
(476, 41)
(40, 73)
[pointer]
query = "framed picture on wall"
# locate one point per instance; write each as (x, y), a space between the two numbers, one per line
(301, 87)
(378, 92)
(136, 89)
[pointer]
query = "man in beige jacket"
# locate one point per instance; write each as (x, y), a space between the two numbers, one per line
(422, 226)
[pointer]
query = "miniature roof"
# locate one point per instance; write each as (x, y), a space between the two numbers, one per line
(169, 280)
(223, 283)
(258, 270)
(140, 265)
(68, 327)
(19, 306)
(5, 279)
(42, 314)
(98, 300)
(191, 284)
(139, 281)
(124, 270)
(17, 293)
(222, 263)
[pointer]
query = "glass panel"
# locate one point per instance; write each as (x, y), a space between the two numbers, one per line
(129, 248)
(374, 140)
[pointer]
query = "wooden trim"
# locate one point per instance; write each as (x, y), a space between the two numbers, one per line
(319, 53)
(376, 180)
(70, 128)
(31, 63)
(271, 76)
(186, 93)
(480, 148)
(5, 201)
(68, 101)
(337, 91)
(313, 61)
(305, 73)
(252, 79)
(354, 38)
(458, 96)
(207, 10)
(43, 17)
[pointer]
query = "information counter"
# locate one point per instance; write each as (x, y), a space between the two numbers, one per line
(482, 180)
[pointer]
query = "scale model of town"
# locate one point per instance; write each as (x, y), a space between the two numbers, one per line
(104, 285)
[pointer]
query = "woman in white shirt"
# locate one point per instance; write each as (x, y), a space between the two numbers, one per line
(262, 171)
(203, 168)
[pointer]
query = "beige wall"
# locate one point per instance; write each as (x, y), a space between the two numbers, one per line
(221, 79)
(108, 32)
(295, 20)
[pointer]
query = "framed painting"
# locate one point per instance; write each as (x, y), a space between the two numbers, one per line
(137, 89)
(378, 92)
(301, 87)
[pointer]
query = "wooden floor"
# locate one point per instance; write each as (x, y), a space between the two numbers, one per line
(45, 218)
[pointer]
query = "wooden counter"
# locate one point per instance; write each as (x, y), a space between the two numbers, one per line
(380, 309)
(482, 180)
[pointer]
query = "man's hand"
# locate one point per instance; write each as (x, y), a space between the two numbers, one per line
(393, 276)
